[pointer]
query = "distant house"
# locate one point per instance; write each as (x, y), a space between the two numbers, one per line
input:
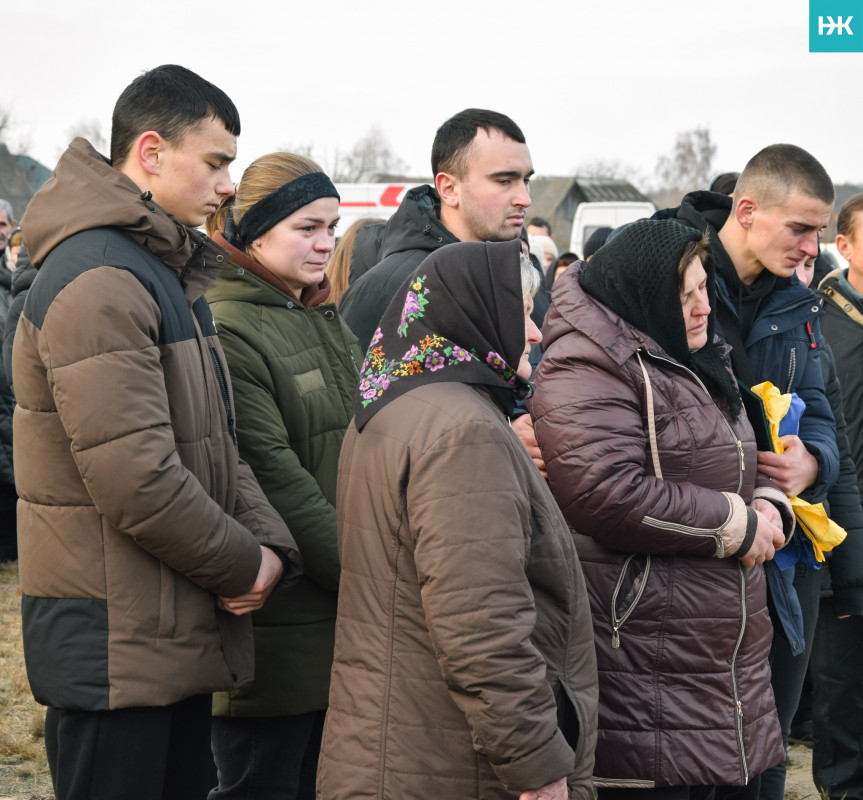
(556, 199)
(20, 177)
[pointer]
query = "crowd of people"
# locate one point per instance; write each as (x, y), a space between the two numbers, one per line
(435, 510)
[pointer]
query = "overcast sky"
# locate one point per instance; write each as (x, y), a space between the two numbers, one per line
(586, 80)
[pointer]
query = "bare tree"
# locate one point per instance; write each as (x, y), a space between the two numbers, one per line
(301, 149)
(686, 168)
(609, 170)
(91, 130)
(370, 157)
(5, 120)
(330, 162)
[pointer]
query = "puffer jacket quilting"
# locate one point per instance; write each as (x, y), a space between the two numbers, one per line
(294, 371)
(135, 511)
(682, 636)
(461, 609)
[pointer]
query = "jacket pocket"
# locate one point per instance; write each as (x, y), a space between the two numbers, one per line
(311, 381)
(569, 717)
(167, 616)
(628, 591)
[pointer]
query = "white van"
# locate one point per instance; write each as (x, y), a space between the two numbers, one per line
(590, 216)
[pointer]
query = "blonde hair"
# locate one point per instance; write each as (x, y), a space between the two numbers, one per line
(262, 176)
(339, 268)
(697, 248)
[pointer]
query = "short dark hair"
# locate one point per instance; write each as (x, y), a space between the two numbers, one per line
(725, 182)
(170, 100)
(455, 136)
(779, 169)
(539, 222)
(845, 224)
(596, 240)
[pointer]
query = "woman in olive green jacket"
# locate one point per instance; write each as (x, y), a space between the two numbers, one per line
(294, 366)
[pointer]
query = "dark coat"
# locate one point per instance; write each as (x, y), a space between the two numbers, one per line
(682, 630)
(844, 380)
(462, 612)
(367, 250)
(414, 231)
(294, 370)
(778, 344)
(778, 350)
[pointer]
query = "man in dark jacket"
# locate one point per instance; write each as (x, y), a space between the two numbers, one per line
(782, 200)
(143, 540)
(837, 658)
(482, 168)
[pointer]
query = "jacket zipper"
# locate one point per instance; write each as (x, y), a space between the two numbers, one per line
(690, 531)
(792, 368)
(199, 249)
(734, 436)
(616, 623)
(347, 347)
(226, 395)
(738, 706)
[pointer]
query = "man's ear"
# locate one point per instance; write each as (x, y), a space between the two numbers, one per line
(149, 150)
(448, 188)
(744, 211)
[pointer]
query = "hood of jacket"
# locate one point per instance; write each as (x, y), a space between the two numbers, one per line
(86, 192)
(704, 209)
(416, 224)
(367, 250)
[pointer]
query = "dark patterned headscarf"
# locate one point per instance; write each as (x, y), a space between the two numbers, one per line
(635, 275)
(459, 319)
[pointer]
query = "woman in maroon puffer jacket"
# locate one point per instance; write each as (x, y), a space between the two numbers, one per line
(653, 464)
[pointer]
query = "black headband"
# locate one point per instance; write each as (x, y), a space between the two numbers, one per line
(283, 202)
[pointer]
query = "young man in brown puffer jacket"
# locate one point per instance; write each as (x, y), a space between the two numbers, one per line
(143, 539)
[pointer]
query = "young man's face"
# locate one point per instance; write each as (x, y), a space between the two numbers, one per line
(782, 235)
(494, 193)
(5, 229)
(194, 177)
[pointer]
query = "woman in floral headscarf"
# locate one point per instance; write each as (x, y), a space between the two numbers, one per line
(464, 659)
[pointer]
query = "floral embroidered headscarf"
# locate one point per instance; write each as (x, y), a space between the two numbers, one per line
(459, 319)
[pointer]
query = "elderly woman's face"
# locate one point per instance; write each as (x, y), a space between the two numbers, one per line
(693, 299)
(532, 336)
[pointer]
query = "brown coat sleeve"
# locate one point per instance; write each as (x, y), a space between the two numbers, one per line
(591, 428)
